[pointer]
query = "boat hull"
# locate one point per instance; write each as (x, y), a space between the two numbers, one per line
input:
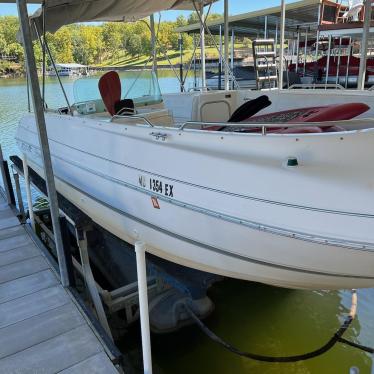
(211, 212)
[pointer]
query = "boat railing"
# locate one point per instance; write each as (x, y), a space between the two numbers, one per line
(132, 116)
(314, 86)
(193, 125)
(198, 89)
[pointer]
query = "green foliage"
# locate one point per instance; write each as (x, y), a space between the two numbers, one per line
(87, 44)
(247, 42)
(93, 44)
(8, 37)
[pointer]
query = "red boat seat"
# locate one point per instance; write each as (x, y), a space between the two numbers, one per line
(249, 109)
(110, 90)
(336, 112)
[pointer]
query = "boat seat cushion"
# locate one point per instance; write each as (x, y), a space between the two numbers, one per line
(110, 90)
(249, 109)
(125, 106)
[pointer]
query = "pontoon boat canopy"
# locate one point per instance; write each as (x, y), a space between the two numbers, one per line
(64, 12)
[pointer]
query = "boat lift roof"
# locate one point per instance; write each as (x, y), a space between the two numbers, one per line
(301, 13)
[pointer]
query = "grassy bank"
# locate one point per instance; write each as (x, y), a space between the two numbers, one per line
(124, 59)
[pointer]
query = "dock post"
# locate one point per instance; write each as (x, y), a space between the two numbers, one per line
(226, 45)
(281, 46)
(232, 57)
(143, 306)
(202, 47)
(220, 59)
(28, 190)
(153, 43)
(21, 207)
(6, 180)
(364, 46)
(180, 43)
(42, 135)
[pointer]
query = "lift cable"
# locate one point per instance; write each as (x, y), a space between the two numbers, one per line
(336, 338)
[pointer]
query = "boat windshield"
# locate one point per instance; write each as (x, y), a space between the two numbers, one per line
(137, 85)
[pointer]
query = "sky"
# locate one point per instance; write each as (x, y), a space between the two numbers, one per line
(235, 7)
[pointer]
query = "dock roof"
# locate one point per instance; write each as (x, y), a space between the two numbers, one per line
(301, 13)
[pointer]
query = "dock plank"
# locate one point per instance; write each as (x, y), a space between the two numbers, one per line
(14, 241)
(7, 222)
(55, 354)
(13, 232)
(3, 204)
(93, 365)
(7, 213)
(42, 330)
(31, 305)
(22, 268)
(27, 285)
(18, 254)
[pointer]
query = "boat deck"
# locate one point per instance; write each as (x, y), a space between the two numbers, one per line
(42, 327)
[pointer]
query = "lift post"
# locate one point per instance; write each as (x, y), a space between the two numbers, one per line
(28, 190)
(21, 207)
(364, 45)
(8, 188)
(42, 135)
(143, 305)
(281, 50)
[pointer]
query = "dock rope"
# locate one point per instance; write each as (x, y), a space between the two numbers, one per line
(336, 338)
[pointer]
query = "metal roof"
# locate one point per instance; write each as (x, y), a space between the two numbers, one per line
(27, 1)
(301, 13)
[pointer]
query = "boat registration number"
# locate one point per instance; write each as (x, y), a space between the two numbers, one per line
(157, 185)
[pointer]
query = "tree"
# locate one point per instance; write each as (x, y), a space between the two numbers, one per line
(112, 38)
(8, 37)
(87, 44)
(181, 21)
(134, 45)
(62, 44)
(247, 42)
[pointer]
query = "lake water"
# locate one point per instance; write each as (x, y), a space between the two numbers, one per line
(253, 317)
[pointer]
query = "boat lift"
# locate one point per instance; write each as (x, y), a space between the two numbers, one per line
(305, 30)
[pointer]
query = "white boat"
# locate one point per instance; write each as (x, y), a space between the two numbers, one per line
(287, 209)
(222, 202)
(68, 70)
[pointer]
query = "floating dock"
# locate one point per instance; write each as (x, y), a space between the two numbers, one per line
(43, 328)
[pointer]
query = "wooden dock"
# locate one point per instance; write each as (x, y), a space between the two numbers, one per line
(42, 327)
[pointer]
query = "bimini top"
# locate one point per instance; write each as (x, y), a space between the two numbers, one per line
(64, 12)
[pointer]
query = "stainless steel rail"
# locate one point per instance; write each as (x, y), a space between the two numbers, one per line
(316, 85)
(132, 117)
(256, 125)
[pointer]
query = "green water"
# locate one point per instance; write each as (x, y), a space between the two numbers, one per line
(253, 317)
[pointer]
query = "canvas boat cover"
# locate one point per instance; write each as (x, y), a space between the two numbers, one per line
(64, 12)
